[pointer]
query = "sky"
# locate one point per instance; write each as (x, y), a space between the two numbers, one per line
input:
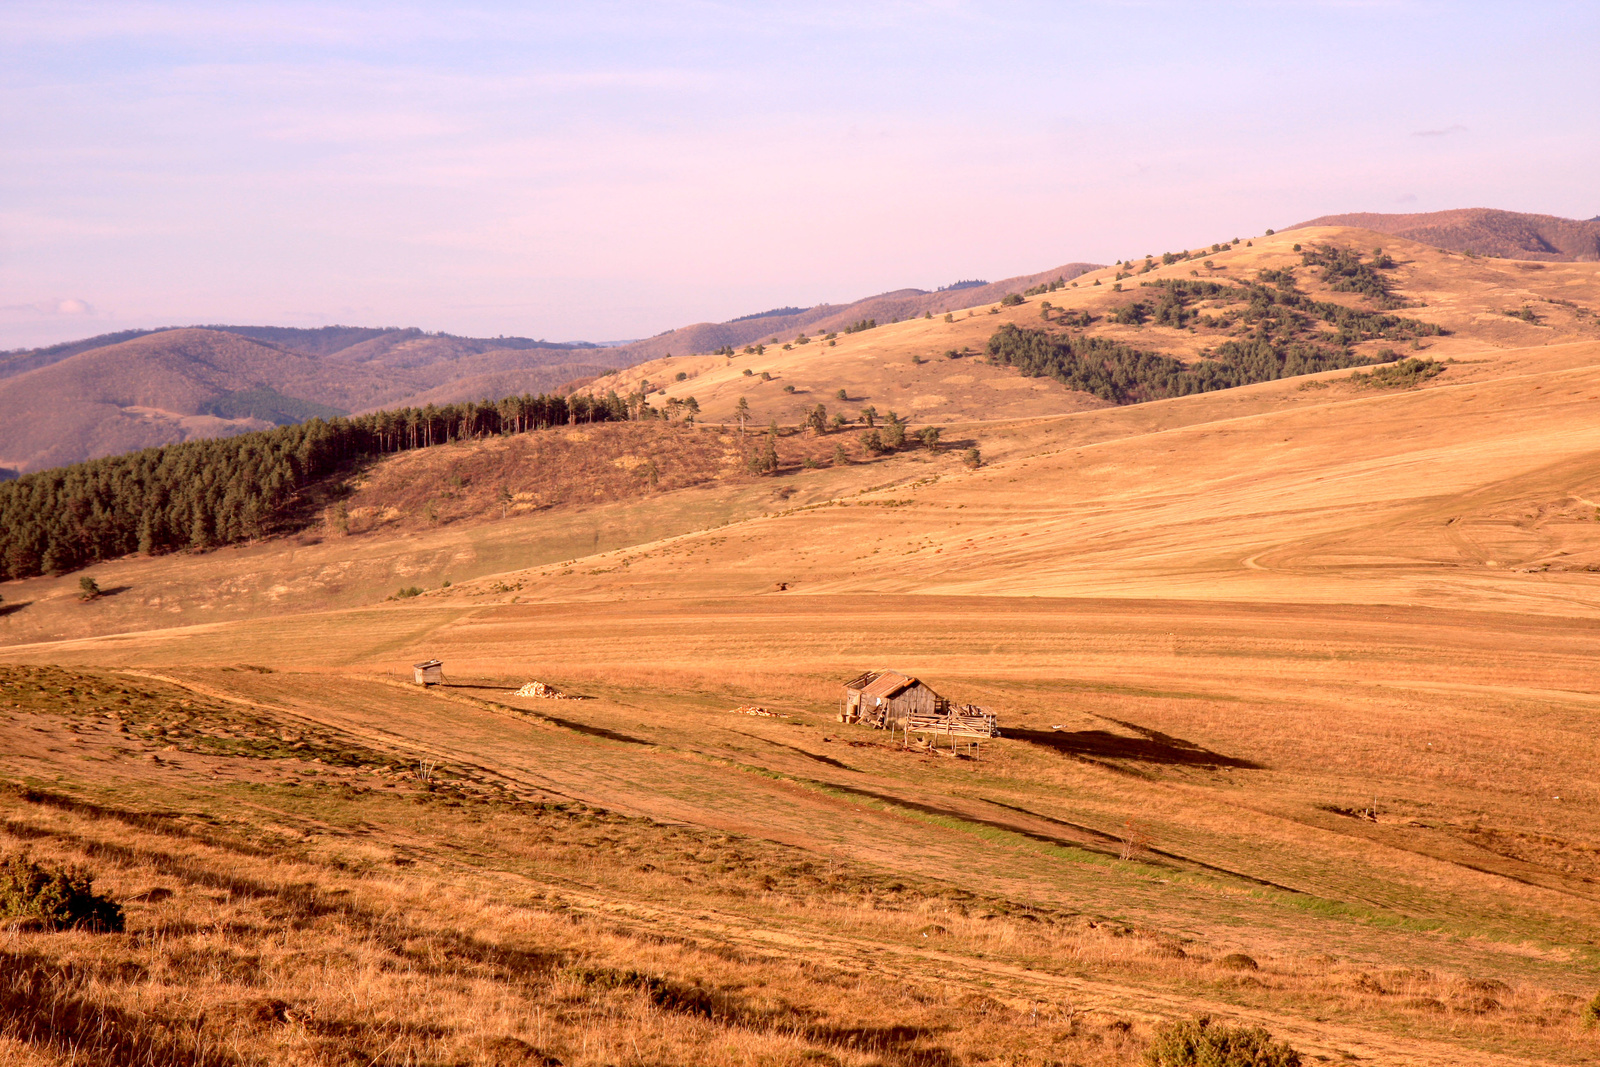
(605, 171)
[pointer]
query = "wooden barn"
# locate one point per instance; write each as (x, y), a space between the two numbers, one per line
(890, 700)
(887, 699)
(428, 672)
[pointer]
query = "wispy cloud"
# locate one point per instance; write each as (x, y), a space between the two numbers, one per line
(1443, 132)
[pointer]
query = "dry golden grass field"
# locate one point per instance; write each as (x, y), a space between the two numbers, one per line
(1297, 684)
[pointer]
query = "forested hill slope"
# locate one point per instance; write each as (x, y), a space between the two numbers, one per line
(1485, 232)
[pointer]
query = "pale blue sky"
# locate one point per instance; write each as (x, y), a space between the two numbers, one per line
(605, 171)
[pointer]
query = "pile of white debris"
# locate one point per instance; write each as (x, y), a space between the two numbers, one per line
(539, 689)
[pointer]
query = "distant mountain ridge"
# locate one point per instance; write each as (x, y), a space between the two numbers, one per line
(138, 388)
(884, 307)
(1485, 232)
(312, 341)
(141, 388)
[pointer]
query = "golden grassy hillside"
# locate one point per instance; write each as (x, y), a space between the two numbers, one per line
(1467, 296)
(1296, 684)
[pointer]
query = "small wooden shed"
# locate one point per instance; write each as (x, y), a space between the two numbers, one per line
(888, 699)
(428, 672)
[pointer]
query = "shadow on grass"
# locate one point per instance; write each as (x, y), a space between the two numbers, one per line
(1151, 746)
(12, 609)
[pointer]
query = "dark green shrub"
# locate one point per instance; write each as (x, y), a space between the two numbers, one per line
(1011, 301)
(1202, 1043)
(56, 898)
(974, 458)
(842, 395)
(408, 591)
(88, 588)
(1591, 1011)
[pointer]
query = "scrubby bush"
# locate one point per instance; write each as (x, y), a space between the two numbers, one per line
(929, 436)
(842, 395)
(765, 461)
(1202, 1043)
(894, 431)
(1409, 372)
(788, 388)
(88, 588)
(974, 458)
(54, 897)
(407, 591)
(1591, 1011)
(1011, 301)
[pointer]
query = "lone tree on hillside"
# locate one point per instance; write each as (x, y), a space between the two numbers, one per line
(741, 412)
(88, 587)
(817, 419)
(929, 436)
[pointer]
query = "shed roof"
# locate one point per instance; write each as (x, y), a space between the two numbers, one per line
(425, 664)
(862, 680)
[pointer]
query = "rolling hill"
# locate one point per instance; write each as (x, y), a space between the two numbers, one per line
(1295, 682)
(1485, 232)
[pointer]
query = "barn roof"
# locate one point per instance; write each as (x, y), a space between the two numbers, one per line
(888, 684)
(425, 664)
